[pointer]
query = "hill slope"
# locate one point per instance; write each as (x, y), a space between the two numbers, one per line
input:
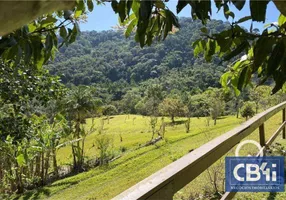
(107, 58)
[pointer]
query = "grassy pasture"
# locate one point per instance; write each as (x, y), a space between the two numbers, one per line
(136, 164)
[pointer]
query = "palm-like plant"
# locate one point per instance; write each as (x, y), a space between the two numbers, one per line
(80, 104)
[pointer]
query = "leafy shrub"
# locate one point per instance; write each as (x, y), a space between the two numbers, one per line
(104, 144)
(248, 110)
(110, 110)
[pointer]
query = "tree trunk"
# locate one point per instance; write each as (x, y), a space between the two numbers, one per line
(19, 181)
(55, 165)
(38, 165)
(74, 157)
(82, 152)
(1, 171)
(214, 121)
(31, 168)
(43, 167)
(173, 119)
(47, 160)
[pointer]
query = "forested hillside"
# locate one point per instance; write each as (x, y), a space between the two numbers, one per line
(111, 61)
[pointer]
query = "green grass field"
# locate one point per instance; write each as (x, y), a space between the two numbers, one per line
(136, 164)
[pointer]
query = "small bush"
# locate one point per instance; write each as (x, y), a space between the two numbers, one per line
(248, 110)
(110, 110)
(104, 145)
(123, 149)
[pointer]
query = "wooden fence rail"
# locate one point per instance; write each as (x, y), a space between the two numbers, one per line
(166, 182)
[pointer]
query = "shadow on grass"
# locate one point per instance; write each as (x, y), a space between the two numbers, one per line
(178, 122)
(271, 196)
(33, 194)
(222, 117)
(44, 191)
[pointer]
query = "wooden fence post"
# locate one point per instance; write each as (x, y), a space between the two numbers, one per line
(262, 135)
(283, 120)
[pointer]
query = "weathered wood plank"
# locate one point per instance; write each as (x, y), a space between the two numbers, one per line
(272, 138)
(228, 195)
(187, 168)
(262, 135)
(283, 120)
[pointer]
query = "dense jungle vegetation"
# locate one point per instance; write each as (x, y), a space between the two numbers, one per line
(109, 60)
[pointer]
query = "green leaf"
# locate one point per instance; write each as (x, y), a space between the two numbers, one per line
(224, 40)
(77, 13)
(168, 23)
(181, 4)
(49, 43)
(74, 33)
(243, 46)
(28, 52)
(32, 27)
(38, 52)
(12, 52)
(210, 50)
(275, 58)
(129, 6)
(258, 10)
(260, 53)
(145, 9)
(201, 10)
(239, 4)
(281, 20)
(121, 8)
(224, 79)
(80, 8)
(218, 4)
(50, 20)
(237, 65)
(241, 20)
(130, 27)
(175, 20)
(18, 55)
(114, 5)
(159, 4)
(279, 79)
(242, 78)
(227, 12)
(63, 32)
(199, 47)
(141, 30)
(20, 160)
(234, 82)
(135, 8)
(90, 5)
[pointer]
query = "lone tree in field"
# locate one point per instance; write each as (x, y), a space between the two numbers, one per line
(215, 101)
(216, 109)
(154, 97)
(247, 110)
(173, 108)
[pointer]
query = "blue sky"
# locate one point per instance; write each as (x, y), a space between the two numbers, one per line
(103, 17)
